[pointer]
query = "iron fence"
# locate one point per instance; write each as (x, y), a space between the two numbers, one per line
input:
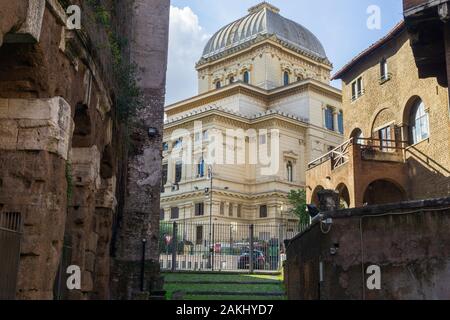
(10, 237)
(195, 246)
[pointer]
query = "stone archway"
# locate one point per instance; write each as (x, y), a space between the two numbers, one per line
(344, 196)
(383, 191)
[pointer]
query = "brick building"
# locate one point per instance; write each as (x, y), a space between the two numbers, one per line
(397, 130)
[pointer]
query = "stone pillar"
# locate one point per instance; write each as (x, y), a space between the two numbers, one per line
(328, 200)
(34, 145)
(80, 226)
(146, 28)
(335, 120)
(105, 204)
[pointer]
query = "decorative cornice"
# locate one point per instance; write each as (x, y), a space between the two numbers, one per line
(259, 39)
(265, 96)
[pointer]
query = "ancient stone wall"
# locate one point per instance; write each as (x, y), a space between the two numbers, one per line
(62, 144)
(408, 241)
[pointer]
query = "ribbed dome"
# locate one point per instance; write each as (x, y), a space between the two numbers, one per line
(263, 19)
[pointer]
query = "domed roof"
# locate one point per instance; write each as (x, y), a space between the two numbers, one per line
(264, 19)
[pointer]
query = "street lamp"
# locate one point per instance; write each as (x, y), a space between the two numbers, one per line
(211, 249)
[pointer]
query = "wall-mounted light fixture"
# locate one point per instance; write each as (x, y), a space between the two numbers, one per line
(152, 132)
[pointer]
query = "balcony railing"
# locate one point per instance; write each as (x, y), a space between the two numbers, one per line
(339, 156)
(371, 149)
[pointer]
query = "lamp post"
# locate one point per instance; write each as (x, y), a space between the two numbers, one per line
(211, 249)
(144, 242)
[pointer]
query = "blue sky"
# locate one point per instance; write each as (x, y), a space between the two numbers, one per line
(341, 26)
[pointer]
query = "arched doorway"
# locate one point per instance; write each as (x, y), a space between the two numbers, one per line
(315, 196)
(344, 196)
(383, 192)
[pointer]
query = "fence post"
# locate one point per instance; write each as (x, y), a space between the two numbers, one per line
(250, 258)
(213, 248)
(174, 246)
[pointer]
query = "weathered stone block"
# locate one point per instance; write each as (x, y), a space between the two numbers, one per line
(86, 166)
(8, 134)
(4, 108)
(44, 124)
(30, 30)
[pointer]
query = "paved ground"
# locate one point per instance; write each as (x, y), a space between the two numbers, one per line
(198, 286)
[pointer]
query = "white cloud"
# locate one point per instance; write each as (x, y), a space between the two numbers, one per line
(186, 42)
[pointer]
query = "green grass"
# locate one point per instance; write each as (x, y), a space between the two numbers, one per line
(186, 282)
(243, 288)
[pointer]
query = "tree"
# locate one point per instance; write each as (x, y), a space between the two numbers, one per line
(297, 199)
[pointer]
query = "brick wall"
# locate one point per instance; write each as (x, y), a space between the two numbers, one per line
(410, 243)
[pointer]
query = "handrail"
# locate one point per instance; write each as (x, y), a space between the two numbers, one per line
(329, 154)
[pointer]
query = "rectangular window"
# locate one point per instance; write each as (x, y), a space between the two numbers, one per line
(357, 88)
(199, 209)
(178, 171)
(354, 91)
(164, 177)
(329, 118)
(263, 211)
(199, 235)
(165, 146)
(384, 72)
(359, 84)
(239, 211)
(161, 214)
(222, 209)
(201, 169)
(385, 137)
(174, 213)
(230, 209)
(341, 122)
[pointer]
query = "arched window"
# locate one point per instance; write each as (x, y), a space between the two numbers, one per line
(218, 85)
(246, 77)
(290, 175)
(419, 123)
(286, 78)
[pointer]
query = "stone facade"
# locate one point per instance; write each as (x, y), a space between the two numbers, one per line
(404, 167)
(260, 103)
(61, 152)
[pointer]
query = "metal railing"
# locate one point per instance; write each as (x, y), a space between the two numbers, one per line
(10, 238)
(341, 154)
(233, 247)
